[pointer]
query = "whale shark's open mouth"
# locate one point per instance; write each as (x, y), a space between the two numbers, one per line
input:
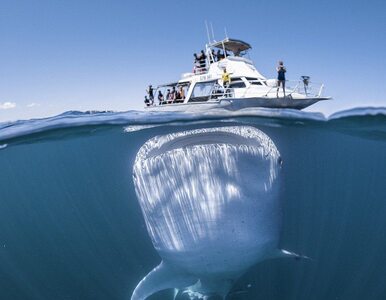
(234, 135)
(196, 176)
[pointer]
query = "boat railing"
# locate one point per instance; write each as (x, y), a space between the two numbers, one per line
(295, 87)
(220, 92)
(170, 101)
(200, 70)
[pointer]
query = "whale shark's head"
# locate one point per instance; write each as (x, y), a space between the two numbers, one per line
(210, 198)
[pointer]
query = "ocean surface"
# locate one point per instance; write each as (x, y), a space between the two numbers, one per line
(71, 225)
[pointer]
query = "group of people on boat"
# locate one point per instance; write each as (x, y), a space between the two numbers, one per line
(172, 95)
(201, 60)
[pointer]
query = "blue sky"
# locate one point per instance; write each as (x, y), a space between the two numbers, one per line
(100, 55)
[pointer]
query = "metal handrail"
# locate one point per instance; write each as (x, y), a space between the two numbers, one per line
(200, 70)
(220, 92)
(300, 87)
(169, 101)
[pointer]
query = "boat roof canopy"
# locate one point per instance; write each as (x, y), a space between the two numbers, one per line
(235, 46)
(171, 84)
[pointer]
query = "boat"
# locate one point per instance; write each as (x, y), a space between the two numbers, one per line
(203, 88)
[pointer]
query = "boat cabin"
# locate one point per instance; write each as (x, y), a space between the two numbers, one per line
(204, 83)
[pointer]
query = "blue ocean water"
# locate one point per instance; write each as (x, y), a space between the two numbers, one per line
(72, 227)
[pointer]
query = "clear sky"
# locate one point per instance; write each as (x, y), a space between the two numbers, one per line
(65, 55)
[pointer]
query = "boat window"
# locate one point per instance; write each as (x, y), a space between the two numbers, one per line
(201, 91)
(254, 81)
(237, 83)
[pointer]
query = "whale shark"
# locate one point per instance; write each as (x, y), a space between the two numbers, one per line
(210, 201)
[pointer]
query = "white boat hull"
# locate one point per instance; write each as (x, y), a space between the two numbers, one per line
(240, 103)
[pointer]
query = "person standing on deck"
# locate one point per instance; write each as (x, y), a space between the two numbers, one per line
(219, 55)
(226, 81)
(150, 93)
(160, 98)
(173, 96)
(226, 78)
(196, 66)
(181, 94)
(202, 59)
(280, 78)
(212, 57)
(168, 96)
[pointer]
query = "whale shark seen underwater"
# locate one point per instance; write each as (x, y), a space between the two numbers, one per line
(210, 200)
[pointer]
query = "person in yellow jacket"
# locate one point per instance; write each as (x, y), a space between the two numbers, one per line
(226, 78)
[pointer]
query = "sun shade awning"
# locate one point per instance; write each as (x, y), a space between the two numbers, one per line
(173, 84)
(235, 46)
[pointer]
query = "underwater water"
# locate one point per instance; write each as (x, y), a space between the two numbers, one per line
(74, 224)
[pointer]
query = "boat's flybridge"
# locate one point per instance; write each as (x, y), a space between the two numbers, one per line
(247, 87)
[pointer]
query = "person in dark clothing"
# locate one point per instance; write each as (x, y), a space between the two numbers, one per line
(168, 95)
(202, 59)
(196, 58)
(280, 78)
(160, 97)
(147, 101)
(196, 63)
(173, 93)
(150, 92)
(213, 57)
(181, 93)
(219, 55)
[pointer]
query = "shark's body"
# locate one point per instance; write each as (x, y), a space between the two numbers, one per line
(210, 201)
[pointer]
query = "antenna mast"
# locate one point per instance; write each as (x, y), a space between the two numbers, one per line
(207, 31)
(211, 27)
